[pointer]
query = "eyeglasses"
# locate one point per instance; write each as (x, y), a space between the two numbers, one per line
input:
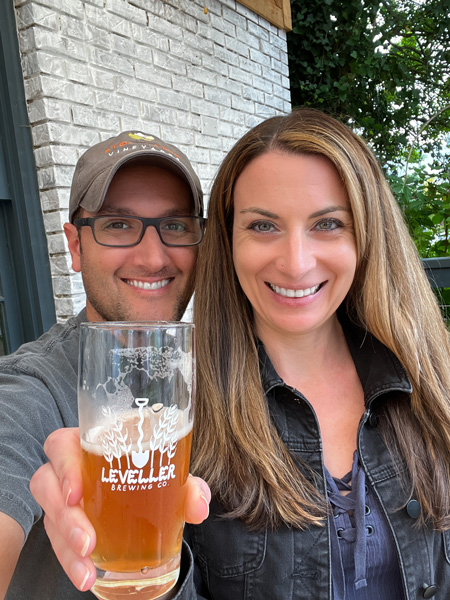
(117, 231)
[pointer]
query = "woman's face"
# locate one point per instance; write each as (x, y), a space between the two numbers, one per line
(294, 249)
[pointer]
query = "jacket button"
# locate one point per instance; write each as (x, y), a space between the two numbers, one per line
(414, 509)
(429, 590)
(373, 420)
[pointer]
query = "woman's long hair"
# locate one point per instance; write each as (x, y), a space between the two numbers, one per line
(236, 448)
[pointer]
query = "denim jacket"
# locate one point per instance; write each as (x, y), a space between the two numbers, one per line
(233, 563)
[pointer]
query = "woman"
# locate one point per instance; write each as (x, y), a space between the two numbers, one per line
(323, 413)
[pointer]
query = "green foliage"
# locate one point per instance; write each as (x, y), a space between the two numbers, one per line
(383, 69)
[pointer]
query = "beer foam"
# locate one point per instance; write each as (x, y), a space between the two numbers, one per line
(125, 424)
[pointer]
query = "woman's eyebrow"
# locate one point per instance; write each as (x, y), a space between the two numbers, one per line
(329, 209)
(260, 211)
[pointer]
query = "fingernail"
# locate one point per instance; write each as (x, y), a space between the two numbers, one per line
(80, 539)
(207, 505)
(80, 572)
(66, 490)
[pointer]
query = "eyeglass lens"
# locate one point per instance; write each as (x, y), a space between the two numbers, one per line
(126, 231)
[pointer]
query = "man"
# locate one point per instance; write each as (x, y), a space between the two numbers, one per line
(135, 216)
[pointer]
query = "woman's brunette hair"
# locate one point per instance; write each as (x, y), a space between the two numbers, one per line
(236, 448)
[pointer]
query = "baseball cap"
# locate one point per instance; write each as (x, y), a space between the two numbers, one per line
(98, 165)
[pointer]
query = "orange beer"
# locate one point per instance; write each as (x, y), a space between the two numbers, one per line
(137, 509)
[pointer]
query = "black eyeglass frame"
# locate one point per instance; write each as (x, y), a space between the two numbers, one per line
(146, 222)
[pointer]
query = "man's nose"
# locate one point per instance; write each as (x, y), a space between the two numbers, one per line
(151, 251)
(297, 255)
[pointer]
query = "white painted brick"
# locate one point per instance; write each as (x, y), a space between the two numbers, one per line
(250, 93)
(46, 156)
(34, 14)
(270, 50)
(103, 79)
(247, 38)
(137, 123)
(78, 73)
(229, 29)
(198, 155)
(259, 32)
(237, 47)
(60, 264)
(174, 15)
(187, 55)
(67, 285)
(274, 102)
(57, 175)
(260, 58)
(226, 56)
(169, 63)
(202, 45)
(261, 83)
(279, 40)
(205, 141)
(202, 107)
(56, 243)
(216, 157)
(242, 104)
(247, 13)
(53, 222)
(279, 67)
(232, 115)
(158, 114)
(228, 85)
(111, 61)
(49, 108)
(239, 75)
(249, 65)
(182, 138)
(164, 27)
(126, 10)
(136, 88)
(187, 86)
(212, 63)
(107, 21)
(218, 96)
(205, 31)
(188, 120)
(114, 102)
(50, 199)
(90, 117)
(273, 76)
(175, 99)
(153, 39)
(156, 77)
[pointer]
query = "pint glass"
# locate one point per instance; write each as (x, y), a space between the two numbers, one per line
(136, 391)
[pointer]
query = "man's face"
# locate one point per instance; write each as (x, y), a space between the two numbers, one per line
(149, 281)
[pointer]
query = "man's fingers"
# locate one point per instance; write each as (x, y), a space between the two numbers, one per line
(80, 569)
(197, 500)
(70, 522)
(64, 452)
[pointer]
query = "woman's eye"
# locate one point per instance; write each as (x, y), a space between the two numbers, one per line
(328, 224)
(262, 226)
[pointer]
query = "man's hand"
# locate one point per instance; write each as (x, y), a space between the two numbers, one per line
(58, 488)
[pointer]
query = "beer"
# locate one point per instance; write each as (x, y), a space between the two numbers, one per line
(134, 493)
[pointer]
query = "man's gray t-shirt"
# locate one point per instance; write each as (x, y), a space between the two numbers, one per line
(38, 394)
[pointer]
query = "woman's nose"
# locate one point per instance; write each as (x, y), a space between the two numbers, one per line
(297, 256)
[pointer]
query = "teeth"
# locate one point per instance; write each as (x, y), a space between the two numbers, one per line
(145, 285)
(294, 293)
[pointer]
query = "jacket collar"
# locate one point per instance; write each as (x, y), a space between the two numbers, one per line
(378, 368)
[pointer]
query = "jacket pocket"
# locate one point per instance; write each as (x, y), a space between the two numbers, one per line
(228, 554)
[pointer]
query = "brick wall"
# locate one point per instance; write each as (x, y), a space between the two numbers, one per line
(198, 73)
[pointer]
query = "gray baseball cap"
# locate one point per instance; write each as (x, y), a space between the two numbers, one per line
(98, 165)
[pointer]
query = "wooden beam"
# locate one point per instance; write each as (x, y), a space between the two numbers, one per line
(277, 12)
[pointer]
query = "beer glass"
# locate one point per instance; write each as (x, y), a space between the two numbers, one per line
(136, 391)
